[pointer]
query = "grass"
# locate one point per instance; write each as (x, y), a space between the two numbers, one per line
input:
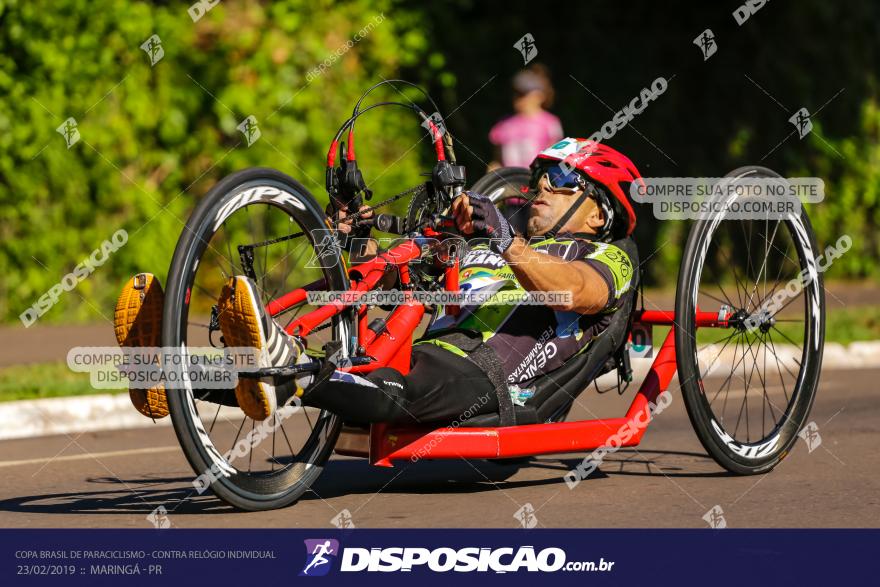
(42, 380)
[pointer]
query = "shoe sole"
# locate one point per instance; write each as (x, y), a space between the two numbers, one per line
(242, 328)
(137, 322)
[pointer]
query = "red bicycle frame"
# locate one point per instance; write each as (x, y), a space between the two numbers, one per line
(392, 347)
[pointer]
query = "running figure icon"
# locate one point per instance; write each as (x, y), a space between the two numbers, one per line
(319, 551)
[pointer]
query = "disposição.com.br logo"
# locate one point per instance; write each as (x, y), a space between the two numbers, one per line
(321, 554)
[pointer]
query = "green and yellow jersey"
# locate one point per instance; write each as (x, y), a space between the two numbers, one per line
(531, 340)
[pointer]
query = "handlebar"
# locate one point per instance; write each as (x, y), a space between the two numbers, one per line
(390, 223)
(397, 224)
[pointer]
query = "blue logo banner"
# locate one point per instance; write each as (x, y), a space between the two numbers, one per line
(397, 557)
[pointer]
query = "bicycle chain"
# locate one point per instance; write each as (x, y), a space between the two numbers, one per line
(361, 213)
(353, 217)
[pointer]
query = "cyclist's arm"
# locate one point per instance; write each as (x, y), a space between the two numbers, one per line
(541, 272)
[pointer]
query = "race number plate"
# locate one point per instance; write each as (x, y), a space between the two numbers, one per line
(641, 341)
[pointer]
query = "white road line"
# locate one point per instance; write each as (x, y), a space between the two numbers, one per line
(90, 455)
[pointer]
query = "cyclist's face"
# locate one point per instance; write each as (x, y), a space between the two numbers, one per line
(550, 205)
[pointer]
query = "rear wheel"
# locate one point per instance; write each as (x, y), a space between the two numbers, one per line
(252, 465)
(749, 388)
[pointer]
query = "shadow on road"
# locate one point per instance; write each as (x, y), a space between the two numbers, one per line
(129, 496)
(344, 477)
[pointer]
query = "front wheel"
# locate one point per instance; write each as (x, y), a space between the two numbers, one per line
(252, 465)
(749, 387)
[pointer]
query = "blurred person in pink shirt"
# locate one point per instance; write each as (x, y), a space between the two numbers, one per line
(519, 138)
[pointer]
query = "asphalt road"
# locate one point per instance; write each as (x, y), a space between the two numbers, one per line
(116, 479)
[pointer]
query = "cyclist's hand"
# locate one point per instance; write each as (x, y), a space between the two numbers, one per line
(477, 215)
(344, 226)
(461, 211)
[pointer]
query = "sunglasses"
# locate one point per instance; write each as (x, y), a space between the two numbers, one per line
(560, 180)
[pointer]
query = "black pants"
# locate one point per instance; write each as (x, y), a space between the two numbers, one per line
(441, 387)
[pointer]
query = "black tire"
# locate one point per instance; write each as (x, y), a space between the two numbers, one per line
(289, 199)
(707, 238)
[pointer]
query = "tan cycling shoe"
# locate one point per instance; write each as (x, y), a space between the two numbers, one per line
(137, 322)
(245, 323)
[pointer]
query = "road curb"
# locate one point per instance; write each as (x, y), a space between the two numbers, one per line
(91, 413)
(69, 415)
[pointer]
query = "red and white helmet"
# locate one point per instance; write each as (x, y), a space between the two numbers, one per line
(600, 164)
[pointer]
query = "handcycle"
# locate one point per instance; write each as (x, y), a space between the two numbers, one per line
(261, 223)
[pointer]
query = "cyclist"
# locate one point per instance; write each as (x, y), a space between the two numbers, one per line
(482, 359)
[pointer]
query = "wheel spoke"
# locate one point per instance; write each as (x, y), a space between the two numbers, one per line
(274, 432)
(237, 434)
(778, 274)
(214, 421)
(763, 268)
(712, 364)
(746, 385)
(720, 301)
(736, 281)
(736, 364)
(778, 359)
(785, 336)
(287, 440)
(766, 398)
(251, 451)
(306, 414)
(748, 270)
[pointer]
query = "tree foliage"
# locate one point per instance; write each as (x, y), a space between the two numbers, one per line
(153, 139)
